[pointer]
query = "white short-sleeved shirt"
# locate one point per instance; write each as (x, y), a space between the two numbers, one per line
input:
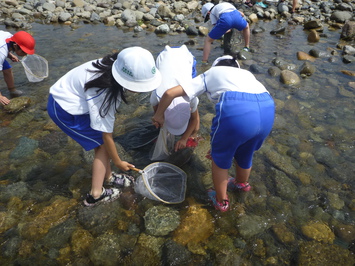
(175, 66)
(219, 79)
(220, 9)
(70, 94)
(4, 50)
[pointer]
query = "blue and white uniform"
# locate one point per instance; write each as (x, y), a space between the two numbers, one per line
(244, 113)
(76, 111)
(225, 16)
(4, 50)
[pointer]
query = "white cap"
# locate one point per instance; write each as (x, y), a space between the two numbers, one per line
(135, 70)
(215, 62)
(177, 116)
(205, 9)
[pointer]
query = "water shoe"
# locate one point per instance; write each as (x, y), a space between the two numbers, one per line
(119, 180)
(223, 207)
(107, 195)
(233, 186)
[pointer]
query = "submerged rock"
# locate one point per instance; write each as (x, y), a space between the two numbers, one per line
(17, 104)
(161, 220)
(318, 231)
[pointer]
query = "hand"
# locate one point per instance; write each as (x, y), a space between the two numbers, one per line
(125, 166)
(157, 121)
(180, 144)
(13, 58)
(4, 100)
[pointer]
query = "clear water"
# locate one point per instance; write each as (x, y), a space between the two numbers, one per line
(304, 173)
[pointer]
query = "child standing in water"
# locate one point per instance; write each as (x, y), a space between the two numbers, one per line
(244, 117)
(83, 104)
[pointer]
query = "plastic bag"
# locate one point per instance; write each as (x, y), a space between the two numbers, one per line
(164, 145)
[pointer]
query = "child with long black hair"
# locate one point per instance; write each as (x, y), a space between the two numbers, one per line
(83, 104)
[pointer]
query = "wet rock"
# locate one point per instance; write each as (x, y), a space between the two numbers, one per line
(307, 69)
(25, 148)
(80, 242)
(349, 50)
(274, 71)
(17, 104)
(52, 215)
(348, 31)
(188, 232)
(348, 72)
(285, 188)
(335, 201)
(161, 220)
(251, 225)
(283, 234)
(326, 156)
(278, 30)
(52, 143)
(346, 232)
(256, 69)
(175, 254)
(313, 36)
(315, 253)
(304, 56)
(318, 231)
(312, 24)
(289, 78)
(105, 250)
(142, 255)
(318, 53)
(347, 59)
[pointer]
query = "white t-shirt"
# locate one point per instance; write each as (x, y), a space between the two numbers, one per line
(175, 66)
(70, 94)
(220, 9)
(219, 79)
(4, 51)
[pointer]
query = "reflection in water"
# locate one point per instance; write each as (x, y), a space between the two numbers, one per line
(300, 209)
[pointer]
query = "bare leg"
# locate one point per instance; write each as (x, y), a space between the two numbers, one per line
(9, 78)
(246, 35)
(99, 170)
(220, 181)
(242, 175)
(207, 48)
(294, 5)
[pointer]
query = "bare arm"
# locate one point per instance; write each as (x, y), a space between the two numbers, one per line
(112, 152)
(192, 128)
(168, 96)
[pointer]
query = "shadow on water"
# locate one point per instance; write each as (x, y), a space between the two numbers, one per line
(302, 197)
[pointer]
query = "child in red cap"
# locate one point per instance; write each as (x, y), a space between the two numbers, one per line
(22, 43)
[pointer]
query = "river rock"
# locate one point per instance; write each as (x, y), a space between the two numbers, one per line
(341, 16)
(17, 104)
(161, 220)
(304, 56)
(313, 36)
(105, 250)
(318, 231)
(348, 31)
(289, 78)
(307, 69)
(312, 24)
(315, 253)
(188, 232)
(283, 234)
(80, 241)
(251, 225)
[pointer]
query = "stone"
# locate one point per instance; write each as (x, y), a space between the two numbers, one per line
(313, 36)
(318, 231)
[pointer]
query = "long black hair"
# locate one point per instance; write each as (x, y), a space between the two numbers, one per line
(106, 81)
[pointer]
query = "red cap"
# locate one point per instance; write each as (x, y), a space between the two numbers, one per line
(24, 40)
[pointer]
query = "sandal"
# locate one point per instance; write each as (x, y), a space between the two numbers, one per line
(119, 180)
(107, 195)
(223, 207)
(233, 186)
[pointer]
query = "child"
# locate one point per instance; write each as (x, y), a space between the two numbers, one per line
(224, 17)
(22, 43)
(181, 117)
(83, 104)
(244, 118)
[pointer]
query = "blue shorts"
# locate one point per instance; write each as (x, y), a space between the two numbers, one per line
(241, 124)
(227, 21)
(6, 65)
(75, 126)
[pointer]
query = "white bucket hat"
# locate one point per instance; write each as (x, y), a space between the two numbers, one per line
(205, 9)
(177, 116)
(135, 70)
(215, 62)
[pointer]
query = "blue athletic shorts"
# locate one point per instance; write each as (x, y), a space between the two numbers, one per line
(75, 126)
(241, 124)
(227, 21)
(6, 65)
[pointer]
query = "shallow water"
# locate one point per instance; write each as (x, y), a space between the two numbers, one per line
(302, 177)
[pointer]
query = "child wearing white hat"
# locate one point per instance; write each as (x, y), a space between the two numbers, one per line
(244, 118)
(224, 17)
(176, 65)
(83, 104)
